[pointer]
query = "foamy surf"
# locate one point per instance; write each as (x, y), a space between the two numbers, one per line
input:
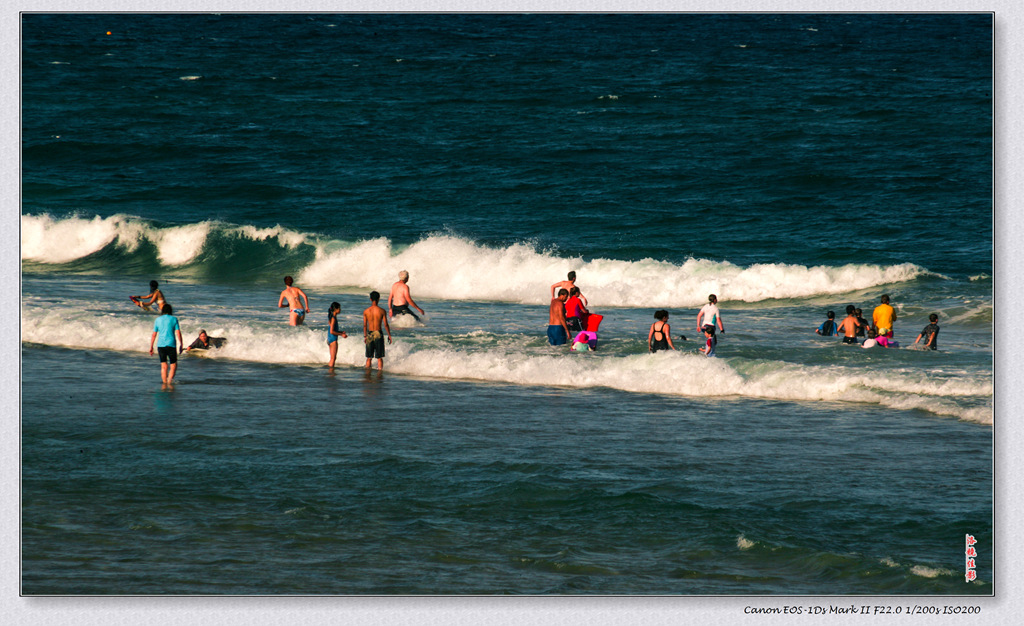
(512, 359)
(449, 267)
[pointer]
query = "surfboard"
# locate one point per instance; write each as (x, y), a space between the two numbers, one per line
(138, 303)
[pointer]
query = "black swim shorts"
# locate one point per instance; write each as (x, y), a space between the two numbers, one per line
(168, 354)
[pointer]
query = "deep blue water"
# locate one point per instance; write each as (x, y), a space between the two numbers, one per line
(791, 164)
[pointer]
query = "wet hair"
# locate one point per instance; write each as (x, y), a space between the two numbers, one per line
(288, 280)
(934, 317)
(153, 284)
(850, 309)
(334, 307)
(571, 275)
(885, 299)
(660, 314)
(831, 314)
(858, 312)
(374, 296)
(563, 290)
(166, 309)
(712, 298)
(403, 275)
(708, 328)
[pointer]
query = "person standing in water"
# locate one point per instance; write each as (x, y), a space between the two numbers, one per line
(849, 325)
(558, 330)
(930, 334)
(883, 316)
(568, 285)
(166, 328)
(709, 315)
(297, 301)
(710, 341)
(373, 316)
(576, 312)
(333, 332)
(659, 337)
(400, 298)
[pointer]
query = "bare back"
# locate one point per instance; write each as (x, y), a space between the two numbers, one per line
(372, 318)
(295, 297)
(556, 315)
(849, 326)
(399, 294)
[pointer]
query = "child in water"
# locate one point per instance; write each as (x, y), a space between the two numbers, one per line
(581, 343)
(828, 327)
(712, 341)
(930, 333)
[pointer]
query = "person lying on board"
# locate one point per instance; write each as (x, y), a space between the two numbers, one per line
(205, 342)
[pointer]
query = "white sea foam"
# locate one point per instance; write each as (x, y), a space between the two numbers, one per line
(930, 572)
(488, 357)
(454, 268)
(743, 543)
(444, 266)
(182, 244)
(47, 240)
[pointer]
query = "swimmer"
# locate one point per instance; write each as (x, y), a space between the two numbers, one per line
(828, 327)
(850, 325)
(930, 333)
(155, 295)
(659, 337)
(883, 317)
(205, 342)
(333, 332)
(400, 298)
(297, 302)
(568, 284)
(558, 330)
(710, 314)
(373, 317)
(711, 342)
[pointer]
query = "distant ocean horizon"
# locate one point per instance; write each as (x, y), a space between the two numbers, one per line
(791, 164)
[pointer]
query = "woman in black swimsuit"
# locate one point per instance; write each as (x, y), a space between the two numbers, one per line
(660, 335)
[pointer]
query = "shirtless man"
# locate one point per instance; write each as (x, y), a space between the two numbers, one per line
(558, 330)
(568, 285)
(850, 325)
(296, 297)
(372, 335)
(400, 299)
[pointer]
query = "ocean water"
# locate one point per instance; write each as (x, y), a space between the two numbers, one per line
(791, 164)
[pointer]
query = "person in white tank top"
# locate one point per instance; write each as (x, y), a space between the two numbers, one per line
(709, 315)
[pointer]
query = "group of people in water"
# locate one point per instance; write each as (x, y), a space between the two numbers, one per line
(659, 337)
(879, 331)
(166, 337)
(375, 318)
(569, 316)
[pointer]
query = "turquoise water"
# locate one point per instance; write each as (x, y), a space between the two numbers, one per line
(791, 164)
